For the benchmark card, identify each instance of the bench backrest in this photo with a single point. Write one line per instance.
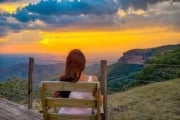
(48, 102)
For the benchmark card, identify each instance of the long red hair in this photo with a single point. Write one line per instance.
(75, 64)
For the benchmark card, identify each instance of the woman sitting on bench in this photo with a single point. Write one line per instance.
(75, 64)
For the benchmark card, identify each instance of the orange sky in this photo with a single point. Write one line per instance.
(99, 44)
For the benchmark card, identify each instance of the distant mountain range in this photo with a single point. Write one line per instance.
(8, 60)
(52, 71)
(40, 72)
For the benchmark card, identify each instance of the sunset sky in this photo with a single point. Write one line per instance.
(102, 29)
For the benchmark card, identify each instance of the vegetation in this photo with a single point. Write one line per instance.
(171, 57)
(120, 75)
(162, 49)
(157, 101)
(14, 90)
(159, 67)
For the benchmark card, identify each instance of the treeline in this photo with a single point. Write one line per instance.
(16, 90)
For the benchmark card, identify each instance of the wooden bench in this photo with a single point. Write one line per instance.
(49, 102)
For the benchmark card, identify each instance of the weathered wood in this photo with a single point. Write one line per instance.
(67, 86)
(48, 102)
(70, 102)
(43, 102)
(30, 82)
(13, 111)
(55, 116)
(98, 102)
(104, 86)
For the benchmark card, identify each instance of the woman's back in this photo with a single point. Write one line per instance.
(79, 95)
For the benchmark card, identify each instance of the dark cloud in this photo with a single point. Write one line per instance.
(6, 25)
(47, 9)
(136, 4)
(24, 15)
(82, 21)
(139, 4)
(162, 20)
(89, 14)
(3, 31)
(8, 0)
(65, 7)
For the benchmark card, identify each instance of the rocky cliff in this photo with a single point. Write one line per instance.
(140, 56)
(135, 56)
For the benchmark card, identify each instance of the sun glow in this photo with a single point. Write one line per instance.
(105, 41)
(97, 44)
(11, 7)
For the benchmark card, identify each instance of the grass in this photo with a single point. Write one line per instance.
(157, 101)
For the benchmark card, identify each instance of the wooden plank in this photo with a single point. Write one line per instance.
(5, 115)
(30, 82)
(67, 86)
(55, 116)
(18, 110)
(98, 102)
(70, 102)
(104, 86)
(49, 102)
(13, 111)
(43, 102)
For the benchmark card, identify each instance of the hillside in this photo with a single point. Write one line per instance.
(120, 76)
(164, 66)
(144, 66)
(157, 101)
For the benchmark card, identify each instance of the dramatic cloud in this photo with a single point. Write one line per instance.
(65, 7)
(55, 10)
(75, 7)
(10, 24)
(116, 14)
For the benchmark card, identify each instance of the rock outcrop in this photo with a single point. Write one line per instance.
(135, 56)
